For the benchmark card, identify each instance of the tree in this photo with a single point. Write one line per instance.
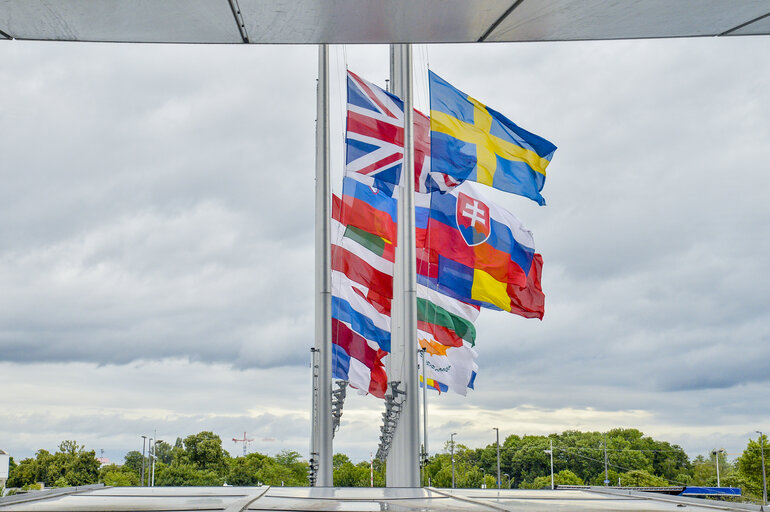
(186, 474)
(164, 452)
(204, 451)
(641, 478)
(118, 476)
(246, 470)
(71, 465)
(133, 461)
(563, 477)
(749, 468)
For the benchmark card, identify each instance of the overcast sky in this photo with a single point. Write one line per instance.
(156, 243)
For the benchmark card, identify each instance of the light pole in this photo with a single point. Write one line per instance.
(606, 473)
(764, 482)
(497, 430)
(154, 458)
(509, 479)
(149, 462)
(144, 442)
(483, 477)
(550, 452)
(452, 447)
(716, 461)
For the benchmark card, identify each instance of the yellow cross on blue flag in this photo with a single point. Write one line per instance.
(470, 141)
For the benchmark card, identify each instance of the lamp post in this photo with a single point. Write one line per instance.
(550, 452)
(452, 447)
(764, 482)
(509, 479)
(716, 461)
(144, 442)
(154, 458)
(497, 430)
(149, 462)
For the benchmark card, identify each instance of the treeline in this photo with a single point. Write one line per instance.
(633, 459)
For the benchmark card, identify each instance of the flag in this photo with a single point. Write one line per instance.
(369, 208)
(374, 141)
(448, 320)
(467, 228)
(425, 180)
(470, 141)
(440, 386)
(474, 251)
(453, 366)
(362, 285)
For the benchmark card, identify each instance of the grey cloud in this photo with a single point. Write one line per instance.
(157, 203)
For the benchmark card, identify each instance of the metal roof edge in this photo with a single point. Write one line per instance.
(47, 493)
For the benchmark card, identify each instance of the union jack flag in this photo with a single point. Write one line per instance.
(375, 131)
(375, 138)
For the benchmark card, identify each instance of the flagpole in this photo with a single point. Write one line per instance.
(403, 468)
(424, 411)
(322, 422)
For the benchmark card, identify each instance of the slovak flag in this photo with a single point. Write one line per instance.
(473, 219)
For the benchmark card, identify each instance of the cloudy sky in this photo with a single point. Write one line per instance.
(156, 243)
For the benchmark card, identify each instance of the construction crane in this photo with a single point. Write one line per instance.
(245, 442)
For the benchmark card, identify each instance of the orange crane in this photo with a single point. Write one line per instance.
(245, 442)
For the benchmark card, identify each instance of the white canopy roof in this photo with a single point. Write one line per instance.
(375, 21)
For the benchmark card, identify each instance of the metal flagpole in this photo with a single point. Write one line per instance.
(313, 459)
(403, 469)
(323, 335)
(424, 411)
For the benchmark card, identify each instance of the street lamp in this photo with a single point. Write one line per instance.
(149, 462)
(716, 453)
(764, 483)
(550, 452)
(452, 442)
(509, 479)
(497, 430)
(154, 458)
(144, 441)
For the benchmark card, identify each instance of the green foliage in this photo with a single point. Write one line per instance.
(704, 471)
(204, 451)
(346, 474)
(641, 478)
(163, 452)
(133, 461)
(749, 468)
(563, 477)
(467, 472)
(118, 476)
(71, 465)
(525, 459)
(186, 474)
(246, 471)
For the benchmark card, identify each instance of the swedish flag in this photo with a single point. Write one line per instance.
(470, 141)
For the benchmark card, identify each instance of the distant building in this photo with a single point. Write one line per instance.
(103, 461)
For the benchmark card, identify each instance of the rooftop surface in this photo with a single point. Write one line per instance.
(232, 499)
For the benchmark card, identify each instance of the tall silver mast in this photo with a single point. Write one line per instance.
(403, 466)
(323, 306)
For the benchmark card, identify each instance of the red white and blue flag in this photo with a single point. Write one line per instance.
(375, 131)
(375, 139)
